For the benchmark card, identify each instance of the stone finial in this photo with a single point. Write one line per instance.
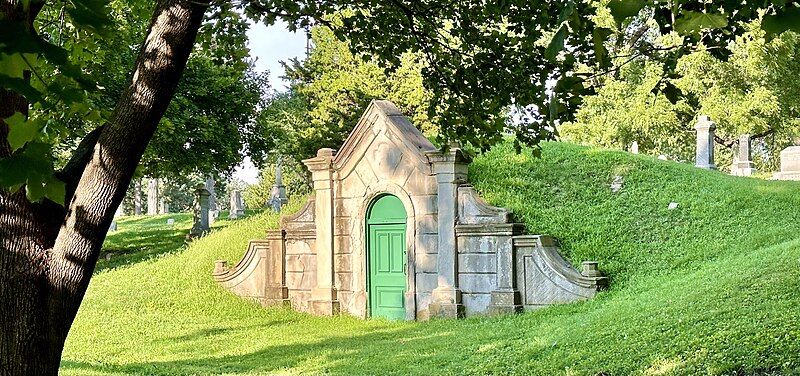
(220, 266)
(326, 152)
(591, 269)
(704, 157)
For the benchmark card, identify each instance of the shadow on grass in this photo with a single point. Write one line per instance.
(337, 355)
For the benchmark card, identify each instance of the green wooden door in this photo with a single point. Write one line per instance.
(386, 240)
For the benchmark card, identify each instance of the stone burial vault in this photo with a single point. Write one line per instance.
(394, 230)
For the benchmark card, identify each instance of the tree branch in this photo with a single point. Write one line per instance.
(72, 171)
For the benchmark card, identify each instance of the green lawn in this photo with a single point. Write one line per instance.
(712, 287)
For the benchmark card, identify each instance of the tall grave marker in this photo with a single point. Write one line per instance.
(704, 158)
(237, 207)
(743, 165)
(201, 216)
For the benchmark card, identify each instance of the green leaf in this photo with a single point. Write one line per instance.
(556, 44)
(21, 130)
(691, 22)
(571, 83)
(622, 9)
(599, 36)
(23, 87)
(32, 163)
(785, 19)
(34, 190)
(55, 190)
(670, 91)
(12, 65)
(92, 15)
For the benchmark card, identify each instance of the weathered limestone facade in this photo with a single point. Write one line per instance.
(452, 254)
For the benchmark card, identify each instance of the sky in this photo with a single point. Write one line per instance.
(270, 45)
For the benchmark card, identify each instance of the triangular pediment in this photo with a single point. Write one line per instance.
(384, 115)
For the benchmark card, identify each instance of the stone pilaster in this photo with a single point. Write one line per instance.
(450, 169)
(324, 300)
(276, 290)
(704, 157)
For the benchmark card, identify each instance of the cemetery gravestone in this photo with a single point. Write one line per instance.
(137, 197)
(212, 200)
(277, 196)
(790, 164)
(152, 197)
(201, 217)
(635, 147)
(742, 165)
(704, 157)
(237, 206)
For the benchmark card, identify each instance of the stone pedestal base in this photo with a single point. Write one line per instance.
(446, 310)
(787, 176)
(324, 302)
(505, 301)
(276, 296)
(446, 303)
(746, 168)
(324, 307)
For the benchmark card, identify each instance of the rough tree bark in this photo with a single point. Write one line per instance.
(48, 253)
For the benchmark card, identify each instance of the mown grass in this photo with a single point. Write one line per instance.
(140, 238)
(709, 288)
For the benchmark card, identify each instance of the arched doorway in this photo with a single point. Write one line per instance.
(386, 257)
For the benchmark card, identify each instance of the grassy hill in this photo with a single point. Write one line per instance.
(711, 287)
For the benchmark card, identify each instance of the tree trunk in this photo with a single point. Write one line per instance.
(47, 255)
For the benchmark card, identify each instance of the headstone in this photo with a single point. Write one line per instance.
(237, 207)
(663, 157)
(790, 164)
(672, 206)
(170, 222)
(635, 147)
(212, 198)
(704, 158)
(201, 218)
(278, 197)
(213, 212)
(743, 165)
(137, 197)
(113, 226)
(152, 197)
